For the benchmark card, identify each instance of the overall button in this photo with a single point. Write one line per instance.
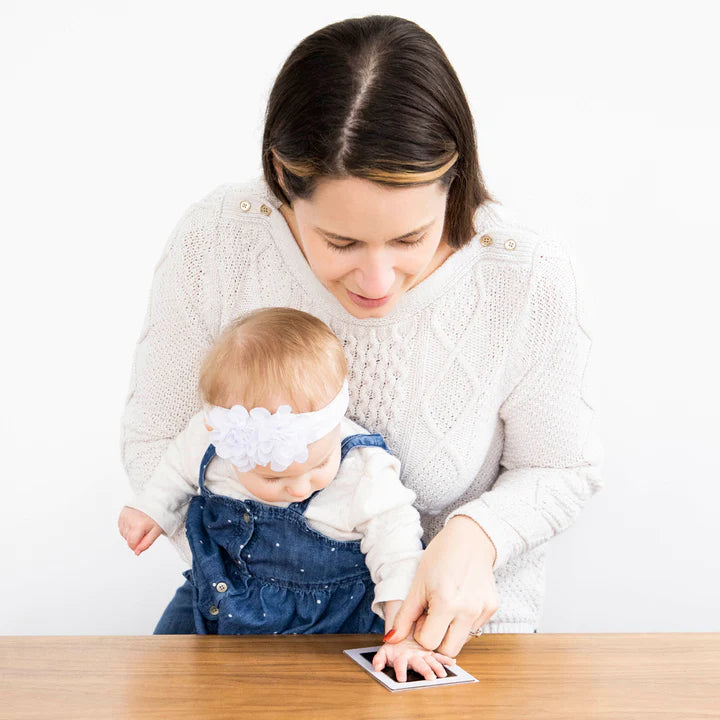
(486, 240)
(510, 244)
(213, 610)
(246, 518)
(221, 587)
(245, 206)
(264, 209)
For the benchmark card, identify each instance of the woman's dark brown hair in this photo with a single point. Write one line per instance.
(374, 98)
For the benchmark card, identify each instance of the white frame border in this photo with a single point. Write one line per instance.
(461, 676)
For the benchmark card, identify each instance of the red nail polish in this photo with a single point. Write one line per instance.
(389, 635)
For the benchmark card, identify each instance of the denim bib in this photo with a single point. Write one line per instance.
(261, 569)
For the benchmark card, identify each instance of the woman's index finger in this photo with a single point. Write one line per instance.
(433, 630)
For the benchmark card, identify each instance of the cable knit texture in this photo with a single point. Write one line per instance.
(478, 379)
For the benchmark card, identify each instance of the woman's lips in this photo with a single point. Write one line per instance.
(367, 302)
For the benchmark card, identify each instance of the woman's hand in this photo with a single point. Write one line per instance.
(455, 585)
(409, 654)
(138, 528)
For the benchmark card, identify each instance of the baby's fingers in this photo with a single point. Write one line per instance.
(380, 660)
(151, 536)
(444, 659)
(419, 664)
(400, 665)
(133, 535)
(436, 666)
(125, 527)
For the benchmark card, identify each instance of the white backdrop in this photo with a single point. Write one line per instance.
(598, 123)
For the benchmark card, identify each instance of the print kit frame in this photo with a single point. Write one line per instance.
(363, 657)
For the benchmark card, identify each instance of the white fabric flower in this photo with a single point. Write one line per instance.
(259, 437)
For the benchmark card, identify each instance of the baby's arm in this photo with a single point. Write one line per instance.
(382, 511)
(160, 508)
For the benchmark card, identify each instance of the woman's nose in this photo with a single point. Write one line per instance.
(376, 275)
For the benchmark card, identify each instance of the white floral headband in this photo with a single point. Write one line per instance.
(258, 437)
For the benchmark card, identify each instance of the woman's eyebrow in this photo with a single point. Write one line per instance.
(335, 236)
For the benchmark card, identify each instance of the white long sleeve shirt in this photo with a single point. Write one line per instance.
(479, 379)
(365, 501)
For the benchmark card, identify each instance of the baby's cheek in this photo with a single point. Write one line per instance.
(272, 494)
(329, 477)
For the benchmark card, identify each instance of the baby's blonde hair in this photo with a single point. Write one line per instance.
(274, 356)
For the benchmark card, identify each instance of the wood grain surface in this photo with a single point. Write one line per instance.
(520, 676)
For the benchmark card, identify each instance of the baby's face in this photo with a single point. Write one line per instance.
(299, 480)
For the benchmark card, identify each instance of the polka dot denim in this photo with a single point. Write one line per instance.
(261, 569)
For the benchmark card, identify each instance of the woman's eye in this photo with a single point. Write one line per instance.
(403, 243)
(410, 243)
(339, 248)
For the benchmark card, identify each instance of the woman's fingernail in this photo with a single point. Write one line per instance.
(389, 635)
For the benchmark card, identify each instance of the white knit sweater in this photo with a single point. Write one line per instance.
(477, 379)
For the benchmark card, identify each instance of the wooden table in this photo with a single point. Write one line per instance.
(246, 677)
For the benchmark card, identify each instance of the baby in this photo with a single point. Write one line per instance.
(295, 516)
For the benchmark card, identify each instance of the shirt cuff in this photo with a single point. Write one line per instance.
(501, 535)
(396, 587)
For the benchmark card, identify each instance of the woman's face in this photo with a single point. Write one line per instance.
(369, 244)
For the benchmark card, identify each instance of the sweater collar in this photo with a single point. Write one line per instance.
(413, 301)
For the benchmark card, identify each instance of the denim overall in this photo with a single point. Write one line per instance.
(261, 569)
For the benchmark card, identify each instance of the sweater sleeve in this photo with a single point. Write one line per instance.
(382, 511)
(550, 464)
(175, 481)
(176, 333)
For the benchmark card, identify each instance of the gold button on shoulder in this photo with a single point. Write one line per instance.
(245, 206)
(221, 587)
(486, 240)
(246, 517)
(510, 244)
(264, 209)
(213, 610)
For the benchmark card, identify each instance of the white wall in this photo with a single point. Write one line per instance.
(598, 122)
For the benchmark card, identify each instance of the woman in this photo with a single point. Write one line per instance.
(464, 331)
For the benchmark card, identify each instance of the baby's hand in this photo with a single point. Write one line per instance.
(138, 528)
(410, 654)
